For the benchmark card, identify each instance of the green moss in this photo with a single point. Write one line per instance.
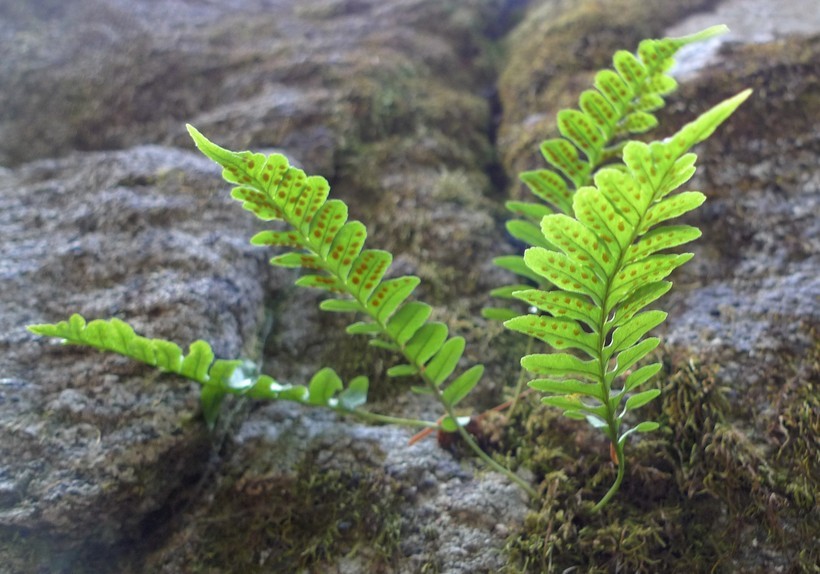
(700, 496)
(264, 525)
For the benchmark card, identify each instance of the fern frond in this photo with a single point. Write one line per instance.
(606, 269)
(218, 377)
(620, 105)
(320, 240)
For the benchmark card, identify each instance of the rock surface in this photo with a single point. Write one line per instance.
(106, 210)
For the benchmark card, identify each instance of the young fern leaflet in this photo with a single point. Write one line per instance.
(606, 267)
(317, 237)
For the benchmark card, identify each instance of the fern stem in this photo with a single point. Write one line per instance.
(522, 378)
(386, 419)
(468, 438)
(619, 449)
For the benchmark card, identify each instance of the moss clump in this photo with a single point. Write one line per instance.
(298, 523)
(700, 496)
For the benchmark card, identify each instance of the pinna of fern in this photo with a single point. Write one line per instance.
(606, 264)
(621, 104)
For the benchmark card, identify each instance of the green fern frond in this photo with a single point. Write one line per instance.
(218, 377)
(320, 240)
(605, 269)
(620, 105)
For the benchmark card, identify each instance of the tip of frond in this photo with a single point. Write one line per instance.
(710, 32)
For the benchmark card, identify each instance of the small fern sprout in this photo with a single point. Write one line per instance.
(607, 263)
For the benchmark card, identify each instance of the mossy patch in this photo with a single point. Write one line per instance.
(699, 495)
(267, 525)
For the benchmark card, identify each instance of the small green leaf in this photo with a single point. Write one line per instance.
(641, 376)
(564, 304)
(221, 373)
(550, 187)
(640, 122)
(277, 239)
(426, 342)
(648, 270)
(593, 209)
(642, 427)
(367, 271)
(644, 295)
(498, 314)
(527, 232)
(323, 282)
(445, 361)
(386, 345)
(532, 211)
(561, 365)
(564, 156)
(407, 320)
(355, 395)
(674, 206)
(629, 67)
(599, 110)
(659, 239)
(632, 330)
(624, 193)
(566, 387)
(640, 399)
(346, 246)
(632, 355)
(389, 295)
(341, 306)
(402, 371)
(564, 273)
(323, 386)
(449, 425)
(614, 89)
(559, 332)
(364, 328)
(578, 243)
(509, 291)
(324, 226)
(583, 132)
(210, 399)
(573, 403)
(297, 260)
(196, 364)
(515, 263)
(462, 386)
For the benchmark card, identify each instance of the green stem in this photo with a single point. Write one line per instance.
(386, 419)
(617, 484)
(522, 378)
(468, 438)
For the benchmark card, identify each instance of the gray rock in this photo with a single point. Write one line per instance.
(94, 444)
(107, 466)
